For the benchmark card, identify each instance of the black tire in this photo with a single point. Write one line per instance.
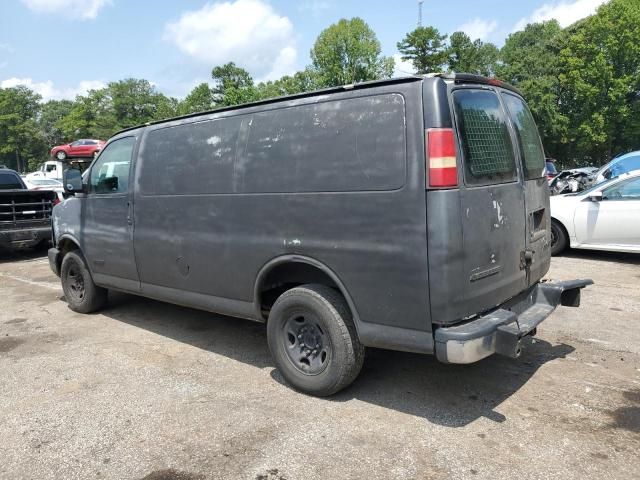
(322, 319)
(559, 238)
(61, 155)
(83, 296)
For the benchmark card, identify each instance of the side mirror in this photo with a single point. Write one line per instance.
(72, 181)
(595, 196)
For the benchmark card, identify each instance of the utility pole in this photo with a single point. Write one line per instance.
(420, 12)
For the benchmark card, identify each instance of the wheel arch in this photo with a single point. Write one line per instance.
(66, 243)
(274, 274)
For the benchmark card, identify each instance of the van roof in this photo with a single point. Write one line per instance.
(455, 77)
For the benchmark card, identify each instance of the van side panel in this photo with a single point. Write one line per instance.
(371, 234)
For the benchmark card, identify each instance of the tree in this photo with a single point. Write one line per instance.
(200, 99)
(349, 52)
(303, 81)
(136, 101)
(600, 77)
(234, 85)
(51, 114)
(530, 61)
(92, 116)
(425, 49)
(21, 144)
(464, 55)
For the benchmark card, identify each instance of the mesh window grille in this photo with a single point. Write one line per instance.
(489, 149)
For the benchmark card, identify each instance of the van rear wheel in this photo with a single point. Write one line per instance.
(83, 296)
(313, 340)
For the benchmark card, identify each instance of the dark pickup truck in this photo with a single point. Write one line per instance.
(25, 215)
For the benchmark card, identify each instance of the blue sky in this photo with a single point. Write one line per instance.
(63, 47)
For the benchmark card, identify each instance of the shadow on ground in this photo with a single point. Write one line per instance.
(23, 254)
(616, 257)
(448, 395)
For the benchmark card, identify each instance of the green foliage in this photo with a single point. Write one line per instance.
(530, 61)
(600, 80)
(348, 52)
(464, 55)
(425, 48)
(51, 114)
(234, 85)
(200, 99)
(303, 81)
(20, 140)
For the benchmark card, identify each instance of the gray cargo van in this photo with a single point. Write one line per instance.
(408, 214)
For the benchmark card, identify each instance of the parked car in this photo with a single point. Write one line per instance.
(80, 148)
(324, 215)
(604, 217)
(626, 163)
(35, 183)
(25, 215)
(550, 169)
(572, 180)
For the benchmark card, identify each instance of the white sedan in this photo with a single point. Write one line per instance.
(604, 217)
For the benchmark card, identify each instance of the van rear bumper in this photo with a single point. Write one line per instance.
(501, 331)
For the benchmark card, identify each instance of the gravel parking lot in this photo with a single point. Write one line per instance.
(151, 390)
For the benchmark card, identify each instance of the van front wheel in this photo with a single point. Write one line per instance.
(83, 296)
(313, 340)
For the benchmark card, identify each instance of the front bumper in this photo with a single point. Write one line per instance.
(25, 237)
(53, 255)
(501, 331)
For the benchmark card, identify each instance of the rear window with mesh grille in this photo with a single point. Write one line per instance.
(487, 147)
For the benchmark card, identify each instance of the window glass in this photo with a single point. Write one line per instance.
(528, 138)
(110, 172)
(624, 166)
(488, 152)
(76, 143)
(626, 190)
(341, 145)
(51, 168)
(10, 181)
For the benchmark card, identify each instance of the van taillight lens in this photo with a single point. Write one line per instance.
(55, 201)
(441, 157)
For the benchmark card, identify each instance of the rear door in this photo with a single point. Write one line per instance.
(492, 200)
(537, 254)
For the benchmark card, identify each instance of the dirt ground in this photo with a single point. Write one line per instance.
(150, 390)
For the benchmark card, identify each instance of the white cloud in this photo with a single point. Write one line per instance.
(478, 28)
(402, 67)
(316, 7)
(49, 92)
(247, 32)
(565, 12)
(83, 9)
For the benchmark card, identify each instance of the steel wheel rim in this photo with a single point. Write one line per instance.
(75, 281)
(306, 343)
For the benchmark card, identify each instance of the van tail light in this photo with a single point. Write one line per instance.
(441, 158)
(55, 201)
